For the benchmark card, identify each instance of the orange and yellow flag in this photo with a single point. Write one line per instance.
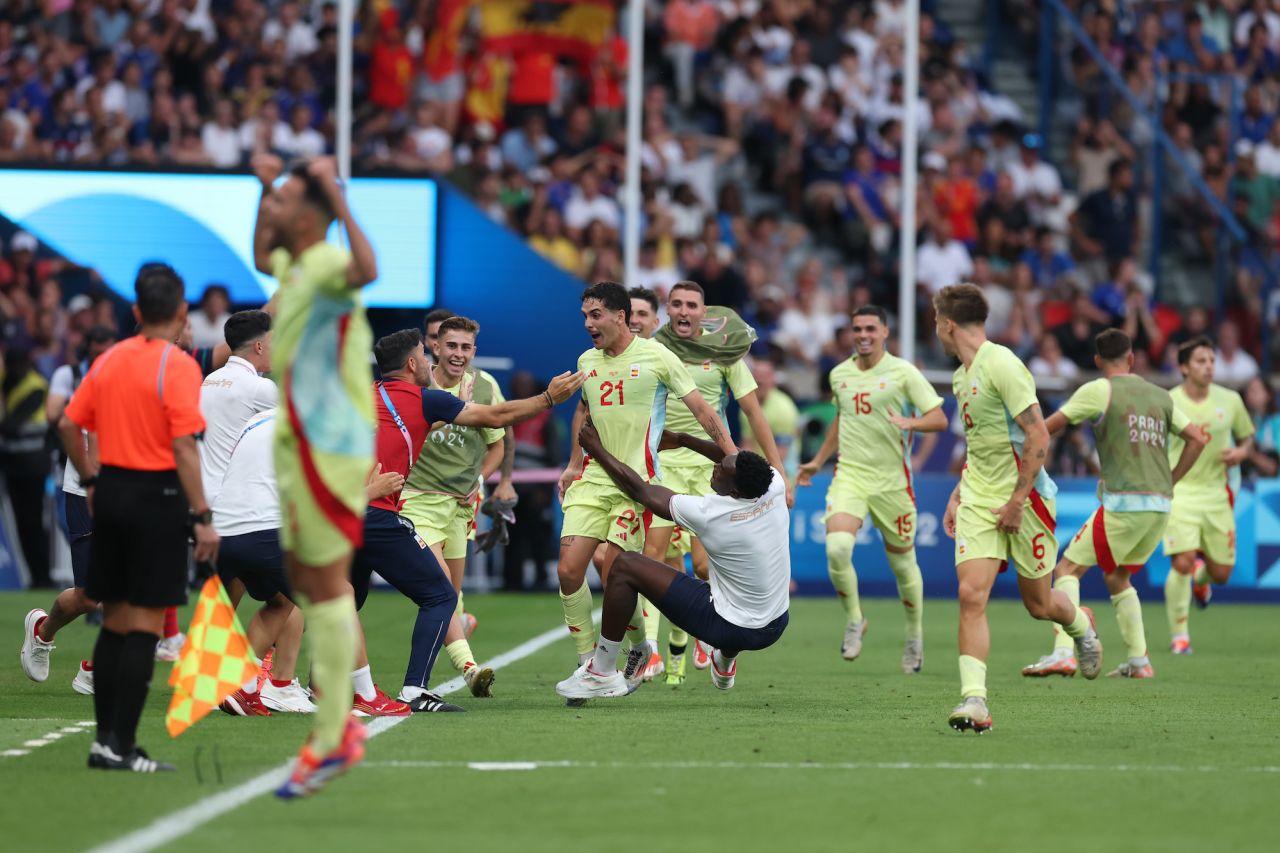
(215, 661)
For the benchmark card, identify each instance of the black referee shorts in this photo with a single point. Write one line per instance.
(140, 539)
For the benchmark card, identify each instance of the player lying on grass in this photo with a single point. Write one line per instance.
(745, 527)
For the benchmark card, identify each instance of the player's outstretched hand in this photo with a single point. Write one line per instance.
(324, 170)
(899, 421)
(565, 386)
(791, 492)
(589, 439)
(266, 168)
(1234, 456)
(1009, 517)
(804, 475)
(949, 520)
(570, 474)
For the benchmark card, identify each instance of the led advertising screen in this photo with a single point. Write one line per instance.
(203, 226)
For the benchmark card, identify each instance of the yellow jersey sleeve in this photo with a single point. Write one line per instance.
(1088, 402)
(739, 379)
(1179, 422)
(918, 390)
(672, 373)
(492, 436)
(1241, 423)
(1013, 381)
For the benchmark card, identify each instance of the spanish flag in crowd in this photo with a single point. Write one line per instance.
(215, 662)
(440, 53)
(574, 29)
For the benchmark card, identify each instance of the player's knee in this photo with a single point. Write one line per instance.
(839, 549)
(973, 597)
(1184, 564)
(1040, 607)
(1218, 572)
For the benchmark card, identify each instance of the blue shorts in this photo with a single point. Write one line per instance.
(687, 604)
(79, 535)
(394, 550)
(255, 559)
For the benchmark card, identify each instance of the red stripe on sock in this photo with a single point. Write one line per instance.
(170, 622)
(276, 682)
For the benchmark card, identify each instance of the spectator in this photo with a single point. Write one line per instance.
(868, 218)
(298, 138)
(220, 137)
(588, 204)
(1264, 455)
(23, 459)
(1260, 192)
(431, 142)
(390, 64)
(805, 331)
(1193, 47)
(1267, 155)
(1049, 267)
(527, 146)
(110, 21)
(1105, 225)
(955, 196)
(941, 261)
(1035, 181)
(1255, 119)
(1075, 337)
(722, 283)
(551, 242)
(298, 36)
(1005, 204)
(780, 413)
(207, 323)
(744, 93)
(1050, 362)
(1233, 365)
(690, 28)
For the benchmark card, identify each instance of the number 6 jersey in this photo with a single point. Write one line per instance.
(626, 396)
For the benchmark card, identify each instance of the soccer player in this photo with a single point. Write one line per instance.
(324, 434)
(745, 526)
(1002, 509)
(431, 325)
(881, 401)
(406, 410)
(1203, 516)
(644, 312)
(440, 493)
(41, 627)
(712, 351)
(628, 379)
(142, 400)
(1133, 422)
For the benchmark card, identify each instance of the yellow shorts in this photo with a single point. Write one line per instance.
(440, 518)
(1194, 527)
(683, 480)
(1112, 540)
(893, 512)
(322, 500)
(1033, 550)
(603, 513)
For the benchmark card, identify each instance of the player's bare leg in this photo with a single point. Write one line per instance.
(39, 629)
(842, 531)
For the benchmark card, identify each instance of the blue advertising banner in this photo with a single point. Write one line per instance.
(1256, 575)
(203, 226)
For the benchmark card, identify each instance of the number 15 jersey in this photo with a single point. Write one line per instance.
(626, 396)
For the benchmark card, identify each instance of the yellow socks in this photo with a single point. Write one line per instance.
(678, 637)
(635, 628)
(459, 652)
(577, 615)
(843, 577)
(910, 589)
(1070, 585)
(332, 628)
(973, 677)
(1080, 625)
(1177, 601)
(1129, 615)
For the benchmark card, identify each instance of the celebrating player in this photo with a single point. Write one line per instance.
(881, 400)
(711, 343)
(1002, 509)
(441, 491)
(745, 526)
(628, 380)
(1132, 423)
(324, 435)
(1203, 516)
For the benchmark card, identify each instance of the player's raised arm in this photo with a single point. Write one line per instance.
(830, 441)
(1195, 444)
(716, 430)
(498, 415)
(364, 264)
(675, 440)
(1056, 422)
(266, 168)
(764, 437)
(653, 497)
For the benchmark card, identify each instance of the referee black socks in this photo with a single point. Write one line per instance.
(106, 667)
(133, 680)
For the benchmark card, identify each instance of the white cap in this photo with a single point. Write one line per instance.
(79, 302)
(1244, 148)
(934, 160)
(23, 241)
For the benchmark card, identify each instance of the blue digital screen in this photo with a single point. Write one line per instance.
(203, 226)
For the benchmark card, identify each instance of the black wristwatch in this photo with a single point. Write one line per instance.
(205, 517)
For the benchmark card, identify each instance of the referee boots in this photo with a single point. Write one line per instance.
(135, 761)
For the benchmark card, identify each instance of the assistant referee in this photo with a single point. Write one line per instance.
(142, 398)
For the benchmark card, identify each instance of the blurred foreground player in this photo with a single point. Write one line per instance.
(745, 526)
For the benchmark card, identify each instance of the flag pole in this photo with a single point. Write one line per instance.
(346, 23)
(907, 239)
(635, 102)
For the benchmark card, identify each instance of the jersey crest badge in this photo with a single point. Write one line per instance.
(706, 365)
(635, 371)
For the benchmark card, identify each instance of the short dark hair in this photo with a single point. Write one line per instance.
(99, 335)
(873, 311)
(751, 475)
(458, 324)
(612, 296)
(1118, 166)
(314, 193)
(437, 315)
(646, 294)
(1187, 349)
(392, 351)
(216, 289)
(1112, 344)
(690, 285)
(158, 292)
(964, 304)
(245, 327)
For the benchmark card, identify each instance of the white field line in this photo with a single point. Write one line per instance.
(50, 737)
(815, 765)
(186, 820)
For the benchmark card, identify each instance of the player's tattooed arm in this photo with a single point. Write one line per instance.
(710, 421)
(1035, 450)
(654, 498)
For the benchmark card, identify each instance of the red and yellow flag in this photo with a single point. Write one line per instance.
(215, 661)
(440, 53)
(568, 28)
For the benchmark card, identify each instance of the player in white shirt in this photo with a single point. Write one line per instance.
(71, 603)
(745, 527)
(235, 393)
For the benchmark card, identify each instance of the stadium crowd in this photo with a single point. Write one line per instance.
(771, 163)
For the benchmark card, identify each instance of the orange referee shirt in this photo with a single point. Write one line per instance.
(140, 395)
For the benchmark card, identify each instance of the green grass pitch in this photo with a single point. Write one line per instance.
(807, 752)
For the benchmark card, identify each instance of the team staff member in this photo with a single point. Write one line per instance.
(142, 398)
(71, 603)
